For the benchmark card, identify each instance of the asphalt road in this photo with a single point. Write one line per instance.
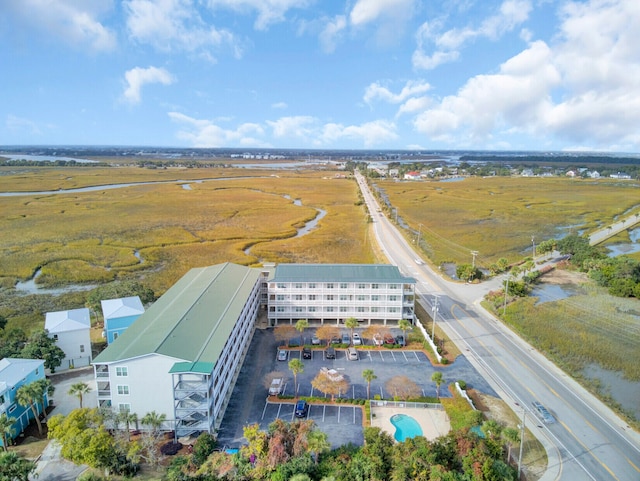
(588, 441)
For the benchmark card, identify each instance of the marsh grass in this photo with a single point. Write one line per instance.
(497, 216)
(92, 237)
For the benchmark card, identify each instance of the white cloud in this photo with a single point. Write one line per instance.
(368, 11)
(75, 23)
(411, 88)
(137, 77)
(297, 126)
(370, 133)
(269, 11)
(204, 133)
(17, 124)
(331, 33)
(176, 25)
(279, 105)
(448, 44)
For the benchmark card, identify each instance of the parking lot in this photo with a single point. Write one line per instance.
(342, 422)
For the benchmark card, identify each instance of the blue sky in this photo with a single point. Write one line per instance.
(326, 74)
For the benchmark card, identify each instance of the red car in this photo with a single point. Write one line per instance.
(389, 340)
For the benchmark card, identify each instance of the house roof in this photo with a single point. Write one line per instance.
(383, 273)
(191, 321)
(14, 370)
(63, 321)
(122, 307)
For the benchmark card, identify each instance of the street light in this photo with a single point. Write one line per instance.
(434, 310)
(419, 234)
(524, 418)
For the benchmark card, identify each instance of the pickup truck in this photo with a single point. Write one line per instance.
(276, 386)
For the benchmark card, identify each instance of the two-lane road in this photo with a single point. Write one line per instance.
(588, 441)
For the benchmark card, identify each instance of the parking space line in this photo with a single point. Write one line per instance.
(415, 353)
(324, 411)
(265, 409)
(393, 356)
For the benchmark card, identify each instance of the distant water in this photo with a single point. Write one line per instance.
(621, 390)
(47, 158)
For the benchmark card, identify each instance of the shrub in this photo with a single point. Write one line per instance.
(170, 448)
(462, 384)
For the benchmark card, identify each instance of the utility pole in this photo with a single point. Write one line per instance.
(506, 294)
(419, 234)
(473, 262)
(434, 311)
(533, 244)
(524, 417)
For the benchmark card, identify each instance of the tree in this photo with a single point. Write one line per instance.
(41, 346)
(284, 332)
(372, 331)
(327, 332)
(402, 388)
(511, 436)
(15, 468)
(28, 395)
(79, 389)
(317, 443)
(297, 367)
(405, 325)
(331, 382)
(351, 323)
(154, 421)
(301, 325)
(369, 376)
(6, 429)
(438, 379)
(128, 418)
(3, 322)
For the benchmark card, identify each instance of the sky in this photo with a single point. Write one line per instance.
(322, 74)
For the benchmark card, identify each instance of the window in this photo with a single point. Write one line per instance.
(330, 297)
(312, 309)
(55, 337)
(298, 285)
(375, 297)
(115, 336)
(362, 286)
(375, 309)
(312, 285)
(12, 408)
(81, 347)
(375, 286)
(362, 298)
(280, 297)
(124, 407)
(2, 399)
(299, 309)
(344, 297)
(122, 371)
(298, 297)
(280, 309)
(282, 285)
(343, 309)
(394, 286)
(393, 298)
(123, 390)
(392, 309)
(361, 309)
(330, 285)
(312, 297)
(328, 309)
(343, 285)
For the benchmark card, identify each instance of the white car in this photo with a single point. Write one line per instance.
(356, 339)
(377, 339)
(283, 355)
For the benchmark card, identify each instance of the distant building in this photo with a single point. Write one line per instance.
(119, 314)
(72, 332)
(620, 175)
(15, 373)
(412, 175)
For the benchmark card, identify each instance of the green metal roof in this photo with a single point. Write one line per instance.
(191, 321)
(339, 273)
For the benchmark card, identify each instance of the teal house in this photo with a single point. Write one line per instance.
(15, 373)
(119, 314)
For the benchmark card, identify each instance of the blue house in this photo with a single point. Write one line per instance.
(15, 373)
(119, 314)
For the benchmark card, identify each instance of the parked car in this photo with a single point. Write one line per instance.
(346, 339)
(377, 340)
(315, 340)
(276, 386)
(301, 409)
(400, 340)
(306, 353)
(352, 354)
(330, 353)
(389, 339)
(283, 354)
(335, 340)
(356, 339)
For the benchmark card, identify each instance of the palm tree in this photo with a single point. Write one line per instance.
(45, 390)
(6, 429)
(438, 379)
(301, 325)
(351, 323)
(317, 443)
(79, 389)
(512, 436)
(369, 376)
(28, 395)
(405, 325)
(154, 421)
(128, 418)
(297, 367)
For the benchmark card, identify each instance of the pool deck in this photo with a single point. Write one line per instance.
(434, 422)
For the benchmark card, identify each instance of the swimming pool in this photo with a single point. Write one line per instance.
(406, 427)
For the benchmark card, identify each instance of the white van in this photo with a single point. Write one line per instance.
(276, 386)
(352, 354)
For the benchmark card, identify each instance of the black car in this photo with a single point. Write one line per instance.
(330, 353)
(306, 353)
(400, 340)
(301, 409)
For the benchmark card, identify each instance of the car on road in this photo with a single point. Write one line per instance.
(346, 339)
(352, 354)
(400, 340)
(544, 414)
(315, 340)
(306, 353)
(301, 409)
(357, 340)
(283, 354)
(330, 353)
